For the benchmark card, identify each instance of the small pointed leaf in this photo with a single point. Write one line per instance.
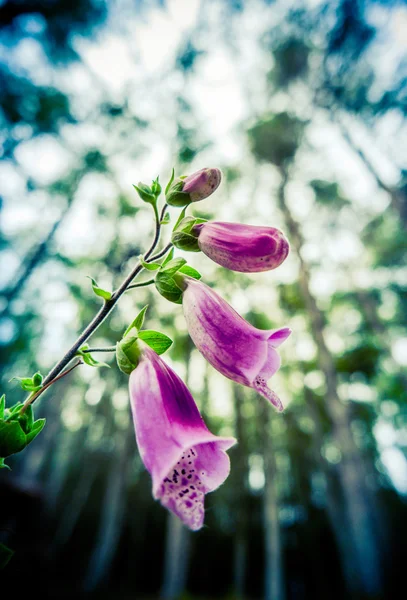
(150, 266)
(166, 219)
(156, 340)
(170, 181)
(100, 291)
(138, 321)
(190, 271)
(173, 266)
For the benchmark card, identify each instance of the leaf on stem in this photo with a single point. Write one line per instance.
(156, 340)
(30, 384)
(166, 219)
(138, 321)
(89, 359)
(150, 266)
(170, 181)
(100, 291)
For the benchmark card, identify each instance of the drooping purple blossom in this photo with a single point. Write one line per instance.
(185, 460)
(244, 248)
(233, 346)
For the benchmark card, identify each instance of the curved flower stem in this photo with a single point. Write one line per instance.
(35, 395)
(105, 349)
(108, 304)
(141, 284)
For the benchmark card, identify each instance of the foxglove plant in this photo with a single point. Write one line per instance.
(184, 458)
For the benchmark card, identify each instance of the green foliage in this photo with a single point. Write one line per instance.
(158, 341)
(328, 193)
(138, 321)
(89, 359)
(5, 553)
(17, 429)
(276, 138)
(105, 294)
(363, 358)
(30, 384)
(291, 59)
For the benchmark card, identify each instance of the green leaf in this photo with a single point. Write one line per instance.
(170, 181)
(173, 266)
(89, 359)
(150, 266)
(27, 384)
(138, 321)
(156, 340)
(156, 187)
(38, 426)
(190, 271)
(166, 219)
(12, 438)
(181, 216)
(145, 193)
(100, 291)
(26, 420)
(169, 257)
(5, 552)
(2, 405)
(37, 378)
(167, 287)
(3, 466)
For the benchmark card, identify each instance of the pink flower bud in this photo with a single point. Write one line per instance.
(195, 187)
(244, 248)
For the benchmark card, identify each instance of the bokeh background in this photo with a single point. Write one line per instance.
(302, 105)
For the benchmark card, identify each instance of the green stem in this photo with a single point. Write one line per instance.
(107, 306)
(141, 284)
(35, 395)
(105, 349)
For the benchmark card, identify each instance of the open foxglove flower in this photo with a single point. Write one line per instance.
(185, 460)
(233, 346)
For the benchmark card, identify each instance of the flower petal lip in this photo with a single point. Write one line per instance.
(243, 248)
(230, 344)
(184, 458)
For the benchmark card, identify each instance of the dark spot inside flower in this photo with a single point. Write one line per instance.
(192, 487)
(189, 476)
(183, 471)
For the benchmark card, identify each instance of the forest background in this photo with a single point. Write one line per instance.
(302, 105)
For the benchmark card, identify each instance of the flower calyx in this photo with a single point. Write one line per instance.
(17, 429)
(169, 280)
(130, 348)
(185, 234)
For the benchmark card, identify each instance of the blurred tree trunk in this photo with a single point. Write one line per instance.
(35, 257)
(351, 469)
(177, 546)
(113, 511)
(334, 502)
(240, 468)
(273, 568)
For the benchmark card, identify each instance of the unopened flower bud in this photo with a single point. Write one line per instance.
(193, 188)
(244, 248)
